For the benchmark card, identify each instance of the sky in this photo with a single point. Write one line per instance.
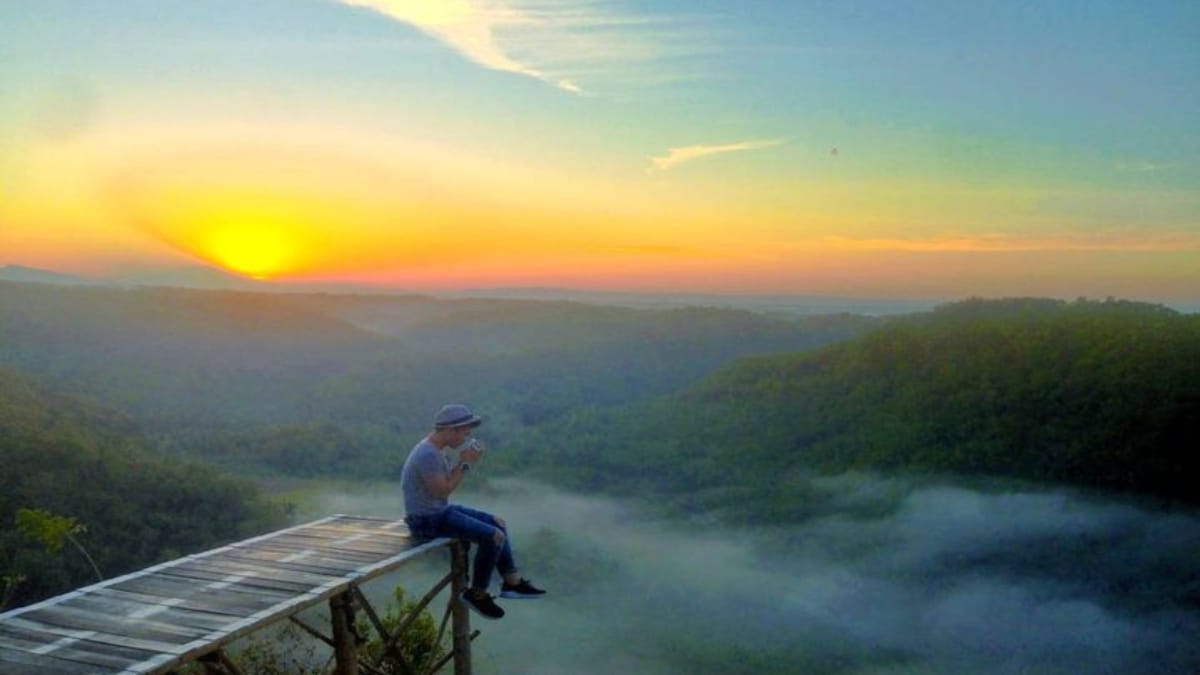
(893, 149)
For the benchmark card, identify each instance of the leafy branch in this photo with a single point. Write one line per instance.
(53, 532)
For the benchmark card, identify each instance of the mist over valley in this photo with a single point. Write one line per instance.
(895, 576)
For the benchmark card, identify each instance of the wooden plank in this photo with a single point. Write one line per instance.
(350, 553)
(211, 579)
(305, 562)
(146, 629)
(347, 561)
(363, 521)
(165, 612)
(371, 523)
(284, 549)
(13, 662)
(295, 544)
(156, 584)
(217, 579)
(23, 638)
(359, 546)
(378, 537)
(355, 533)
(266, 569)
(203, 603)
(77, 651)
(339, 540)
(175, 587)
(100, 636)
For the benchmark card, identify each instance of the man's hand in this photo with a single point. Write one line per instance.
(472, 452)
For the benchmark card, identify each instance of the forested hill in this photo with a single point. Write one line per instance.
(1096, 394)
(83, 461)
(324, 384)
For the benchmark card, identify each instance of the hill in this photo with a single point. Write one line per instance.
(319, 384)
(33, 275)
(1092, 394)
(172, 356)
(88, 462)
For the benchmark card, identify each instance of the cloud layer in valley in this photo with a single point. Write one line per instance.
(892, 578)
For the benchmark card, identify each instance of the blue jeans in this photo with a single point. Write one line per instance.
(478, 527)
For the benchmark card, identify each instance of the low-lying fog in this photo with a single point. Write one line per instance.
(895, 578)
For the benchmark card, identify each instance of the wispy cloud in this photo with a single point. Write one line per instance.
(555, 41)
(677, 156)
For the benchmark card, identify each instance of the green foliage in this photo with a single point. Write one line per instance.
(1094, 394)
(51, 530)
(54, 531)
(418, 645)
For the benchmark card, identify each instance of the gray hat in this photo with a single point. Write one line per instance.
(456, 415)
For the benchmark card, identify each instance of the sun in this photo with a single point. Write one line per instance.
(253, 250)
(253, 233)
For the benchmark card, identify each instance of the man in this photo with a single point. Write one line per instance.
(429, 478)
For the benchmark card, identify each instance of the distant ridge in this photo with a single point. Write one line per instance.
(33, 275)
(768, 304)
(198, 276)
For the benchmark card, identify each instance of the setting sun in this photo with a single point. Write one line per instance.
(257, 251)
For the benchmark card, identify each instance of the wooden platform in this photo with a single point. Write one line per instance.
(158, 618)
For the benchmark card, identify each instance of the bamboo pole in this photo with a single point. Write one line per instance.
(461, 615)
(341, 608)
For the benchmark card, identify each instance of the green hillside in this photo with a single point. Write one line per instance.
(1093, 394)
(316, 384)
(88, 462)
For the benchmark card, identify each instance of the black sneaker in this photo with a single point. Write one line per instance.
(482, 603)
(521, 590)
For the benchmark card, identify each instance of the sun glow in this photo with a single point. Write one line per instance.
(257, 251)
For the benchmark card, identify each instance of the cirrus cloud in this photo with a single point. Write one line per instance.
(548, 40)
(681, 155)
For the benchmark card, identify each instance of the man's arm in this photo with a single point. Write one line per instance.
(442, 485)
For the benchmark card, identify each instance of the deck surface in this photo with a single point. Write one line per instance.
(158, 618)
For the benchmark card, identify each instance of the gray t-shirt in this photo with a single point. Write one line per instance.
(424, 460)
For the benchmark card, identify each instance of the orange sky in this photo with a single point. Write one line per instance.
(393, 144)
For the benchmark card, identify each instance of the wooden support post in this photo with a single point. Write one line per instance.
(461, 616)
(341, 610)
(218, 663)
(230, 666)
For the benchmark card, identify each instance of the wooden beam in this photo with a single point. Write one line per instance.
(422, 604)
(446, 659)
(461, 620)
(311, 631)
(341, 608)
